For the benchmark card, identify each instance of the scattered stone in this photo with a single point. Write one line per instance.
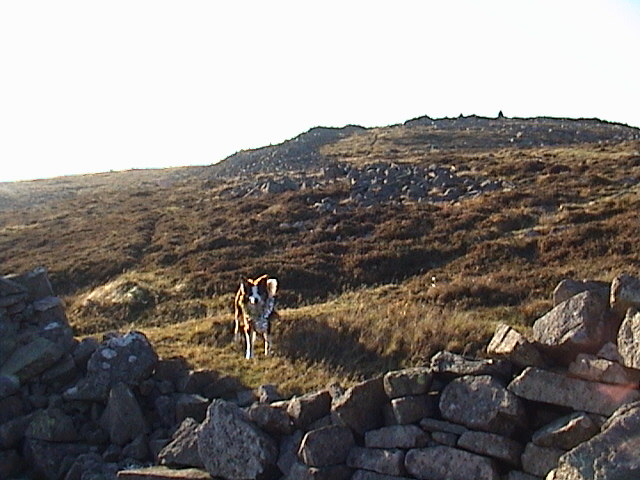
(289, 447)
(369, 475)
(182, 450)
(410, 381)
(566, 432)
(268, 394)
(540, 460)
(577, 325)
(52, 425)
(568, 288)
(360, 408)
(589, 367)
(123, 418)
(509, 344)
(191, 405)
(163, 473)
(396, 436)
(386, 461)
(447, 463)
(445, 438)
(629, 339)
(411, 409)
(300, 471)
(51, 460)
(492, 445)
(609, 351)
(482, 403)
(518, 475)
(456, 365)
(625, 294)
(612, 453)
(232, 446)
(326, 446)
(433, 425)
(548, 387)
(11, 464)
(271, 419)
(32, 359)
(35, 283)
(9, 385)
(306, 409)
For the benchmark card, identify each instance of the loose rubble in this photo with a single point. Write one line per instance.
(534, 409)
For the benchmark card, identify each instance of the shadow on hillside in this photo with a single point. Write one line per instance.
(317, 342)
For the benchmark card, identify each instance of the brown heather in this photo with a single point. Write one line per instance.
(364, 289)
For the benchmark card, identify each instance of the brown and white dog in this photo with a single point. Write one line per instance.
(255, 308)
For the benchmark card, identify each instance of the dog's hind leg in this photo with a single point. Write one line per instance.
(267, 343)
(236, 329)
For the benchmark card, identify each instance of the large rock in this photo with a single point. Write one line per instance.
(625, 294)
(360, 407)
(482, 403)
(410, 381)
(396, 436)
(386, 461)
(611, 454)
(123, 419)
(128, 358)
(548, 387)
(566, 432)
(446, 463)
(629, 339)
(579, 324)
(326, 446)
(183, 448)
(233, 447)
(492, 445)
(507, 343)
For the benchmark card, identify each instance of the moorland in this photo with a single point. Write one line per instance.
(389, 243)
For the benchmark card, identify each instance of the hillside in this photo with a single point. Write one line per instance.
(389, 243)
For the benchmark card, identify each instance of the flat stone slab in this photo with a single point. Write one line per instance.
(164, 473)
(581, 395)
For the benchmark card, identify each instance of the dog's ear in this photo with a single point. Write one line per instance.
(244, 285)
(272, 287)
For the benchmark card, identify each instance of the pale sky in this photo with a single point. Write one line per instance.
(91, 86)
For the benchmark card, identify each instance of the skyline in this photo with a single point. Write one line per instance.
(98, 87)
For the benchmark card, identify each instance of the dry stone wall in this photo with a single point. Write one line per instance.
(563, 403)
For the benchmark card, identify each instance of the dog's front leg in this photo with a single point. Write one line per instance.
(249, 337)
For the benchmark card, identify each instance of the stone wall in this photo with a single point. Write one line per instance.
(561, 403)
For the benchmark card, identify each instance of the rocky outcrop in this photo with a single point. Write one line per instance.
(538, 409)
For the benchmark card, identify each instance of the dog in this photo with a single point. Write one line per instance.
(255, 310)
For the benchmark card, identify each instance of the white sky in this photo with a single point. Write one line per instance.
(89, 86)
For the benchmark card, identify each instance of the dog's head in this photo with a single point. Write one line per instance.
(256, 293)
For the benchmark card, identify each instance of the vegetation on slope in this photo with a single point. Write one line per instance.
(363, 288)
